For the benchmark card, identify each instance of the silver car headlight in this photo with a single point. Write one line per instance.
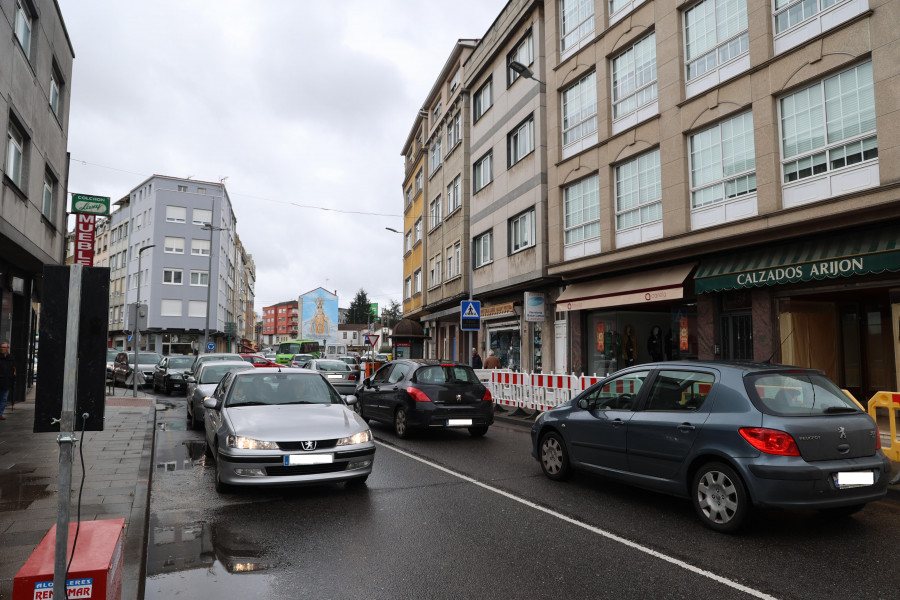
(358, 438)
(244, 443)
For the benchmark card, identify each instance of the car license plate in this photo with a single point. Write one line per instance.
(853, 479)
(334, 377)
(293, 460)
(458, 422)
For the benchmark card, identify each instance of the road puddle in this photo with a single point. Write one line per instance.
(19, 490)
(188, 455)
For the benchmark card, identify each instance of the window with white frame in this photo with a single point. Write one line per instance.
(484, 249)
(453, 194)
(435, 156)
(639, 191)
(199, 247)
(417, 231)
(48, 194)
(176, 214)
(829, 125)
(436, 111)
(576, 22)
(579, 108)
(482, 171)
(201, 216)
(454, 81)
(182, 188)
(523, 54)
(196, 308)
(454, 131)
(23, 27)
(521, 231)
(520, 142)
(170, 308)
(408, 195)
(55, 82)
(634, 77)
(417, 281)
(172, 276)
(201, 191)
(450, 272)
(174, 245)
(582, 210)
(418, 181)
(790, 13)
(457, 254)
(483, 99)
(15, 154)
(434, 270)
(715, 32)
(408, 241)
(434, 213)
(407, 288)
(200, 278)
(723, 161)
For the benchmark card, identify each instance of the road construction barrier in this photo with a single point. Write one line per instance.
(890, 401)
(533, 391)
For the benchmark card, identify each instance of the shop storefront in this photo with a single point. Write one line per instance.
(503, 334)
(828, 302)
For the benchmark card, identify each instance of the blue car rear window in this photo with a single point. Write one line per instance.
(795, 394)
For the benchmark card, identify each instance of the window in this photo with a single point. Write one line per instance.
(450, 272)
(23, 27)
(682, 391)
(417, 281)
(579, 107)
(715, 33)
(407, 288)
(174, 245)
(201, 191)
(201, 216)
(483, 100)
(638, 191)
(418, 181)
(454, 132)
(408, 241)
(408, 196)
(48, 194)
(55, 80)
(434, 270)
(617, 394)
(484, 249)
(523, 54)
(199, 247)
(829, 125)
(172, 276)
(457, 249)
(434, 213)
(634, 77)
(482, 173)
(417, 231)
(453, 191)
(182, 188)
(176, 214)
(521, 141)
(789, 13)
(435, 156)
(196, 308)
(576, 22)
(454, 81)
(582, 206)
(170, 308)
(436, 112)
(521, 232)
(15, 155)
(200, 278)
(723, 161)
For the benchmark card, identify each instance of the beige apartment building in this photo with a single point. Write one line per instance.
(723, 183)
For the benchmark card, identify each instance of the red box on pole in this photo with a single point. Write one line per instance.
(96, 568)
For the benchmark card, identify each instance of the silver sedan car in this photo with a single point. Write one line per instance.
(275, 426)
(202, 384)
(338, 373)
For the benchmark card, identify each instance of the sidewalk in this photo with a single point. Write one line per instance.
(117, 464)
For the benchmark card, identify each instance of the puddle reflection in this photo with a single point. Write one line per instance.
(188, 455)
(19, 490)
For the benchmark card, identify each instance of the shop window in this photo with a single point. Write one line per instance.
(507, 347)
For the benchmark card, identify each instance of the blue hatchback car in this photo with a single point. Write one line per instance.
(729, 436)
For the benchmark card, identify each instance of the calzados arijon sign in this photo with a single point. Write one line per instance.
(803, 272)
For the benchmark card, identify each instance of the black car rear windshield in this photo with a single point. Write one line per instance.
(446, 374)
(797, 394)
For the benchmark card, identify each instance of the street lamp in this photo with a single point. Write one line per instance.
(137, 323)
(210, 228)
(523, 71)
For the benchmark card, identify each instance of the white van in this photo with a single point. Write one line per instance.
(335, 350)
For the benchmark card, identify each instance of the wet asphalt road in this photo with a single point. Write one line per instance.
(447, 516)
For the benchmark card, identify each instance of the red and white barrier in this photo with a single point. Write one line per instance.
(533, 391)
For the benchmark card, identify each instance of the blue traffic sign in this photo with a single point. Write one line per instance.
(470, 315)
(210, 346)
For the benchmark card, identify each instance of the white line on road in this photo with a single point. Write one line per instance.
(591, 528)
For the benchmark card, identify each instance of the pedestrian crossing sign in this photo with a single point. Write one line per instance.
(470, 315)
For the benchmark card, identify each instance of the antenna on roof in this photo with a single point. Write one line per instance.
(768, 361)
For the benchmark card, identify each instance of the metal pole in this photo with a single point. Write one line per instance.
(137, 324)
(209, 281)
(66, 438)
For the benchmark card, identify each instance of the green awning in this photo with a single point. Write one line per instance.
(859, 253)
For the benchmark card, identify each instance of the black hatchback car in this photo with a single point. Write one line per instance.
(728, 436)
(168, 376)
(417, 394)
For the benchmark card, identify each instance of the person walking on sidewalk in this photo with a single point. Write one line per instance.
(476, 359)
(491, 362)
(7, 376)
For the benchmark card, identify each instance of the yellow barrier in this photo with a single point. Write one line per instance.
(890, 401)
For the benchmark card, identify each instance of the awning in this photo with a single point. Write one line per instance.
(858, 253)
(638, 288)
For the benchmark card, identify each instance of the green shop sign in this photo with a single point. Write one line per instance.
(90, 205)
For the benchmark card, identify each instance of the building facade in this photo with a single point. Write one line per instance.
(35, 89)
(414, 192)
(281, 322)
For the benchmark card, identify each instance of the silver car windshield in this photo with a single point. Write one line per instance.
(213, 373)
(281, 388)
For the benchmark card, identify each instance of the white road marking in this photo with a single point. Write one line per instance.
(611, 536)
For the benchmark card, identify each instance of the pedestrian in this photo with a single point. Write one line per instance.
(7, 376)
(476, 359)
(491, 362)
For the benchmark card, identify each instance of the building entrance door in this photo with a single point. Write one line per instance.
(737, 336)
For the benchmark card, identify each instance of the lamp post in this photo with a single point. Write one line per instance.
(524, 71)
(209, 279)
(137, 323)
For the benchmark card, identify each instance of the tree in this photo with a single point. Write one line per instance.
(392, 314)
(358, 313)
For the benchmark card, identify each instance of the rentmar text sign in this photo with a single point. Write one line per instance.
(75, 588)
(85, 225)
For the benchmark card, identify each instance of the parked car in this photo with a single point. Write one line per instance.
(111, 355)
(270, 356)
(337, 372)
(285, 426)
(300, 360)
(258, 360)
(202, 383)
(419, 393)
(124, 366)
(353, 361)
(202, 358)
(168, 375)
(726, 435)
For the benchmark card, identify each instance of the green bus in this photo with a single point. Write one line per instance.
(286, 350)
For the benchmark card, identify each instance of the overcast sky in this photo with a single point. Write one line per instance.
(297, 102)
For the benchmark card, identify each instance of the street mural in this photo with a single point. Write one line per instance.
(319, 316)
